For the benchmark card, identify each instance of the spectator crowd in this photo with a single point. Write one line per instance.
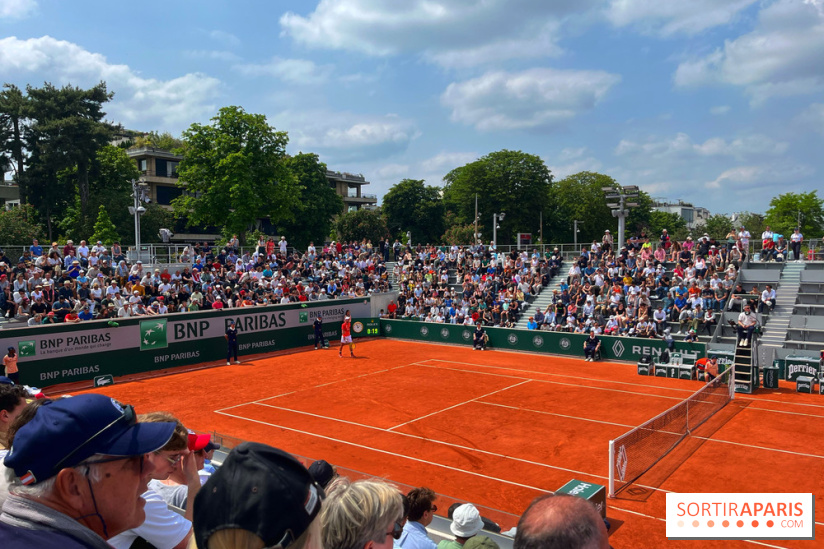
(77, 283)
(637, 290)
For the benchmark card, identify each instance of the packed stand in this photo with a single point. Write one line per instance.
(77, 283)
(493, 286)
(643, 287)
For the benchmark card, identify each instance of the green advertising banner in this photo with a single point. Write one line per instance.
(63, 353)
(629, 349)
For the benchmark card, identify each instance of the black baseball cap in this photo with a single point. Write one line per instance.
(260, 489)
(322, 472)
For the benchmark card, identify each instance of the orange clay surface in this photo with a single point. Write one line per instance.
(498, 428)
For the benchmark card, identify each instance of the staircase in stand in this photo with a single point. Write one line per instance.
(775, 332)
(542, 300)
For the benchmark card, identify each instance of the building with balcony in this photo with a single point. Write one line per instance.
(350, 187)
(159, 171)
(692, 215)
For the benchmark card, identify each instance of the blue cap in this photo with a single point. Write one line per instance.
(66, 431)
(5, 381)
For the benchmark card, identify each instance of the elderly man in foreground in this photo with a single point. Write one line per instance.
(79, 472)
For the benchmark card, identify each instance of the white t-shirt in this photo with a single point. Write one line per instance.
(163, 528)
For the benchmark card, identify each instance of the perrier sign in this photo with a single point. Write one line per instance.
(153, 335)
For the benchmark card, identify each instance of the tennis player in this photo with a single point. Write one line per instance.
(346, 335)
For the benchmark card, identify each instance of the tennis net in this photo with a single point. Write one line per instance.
(635, 452)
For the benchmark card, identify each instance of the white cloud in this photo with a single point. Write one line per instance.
(445, 162)
(666, 18)
(296, 71)
(214, 55)
(720, 109)
(146, 102)
(760, 175)
(346, 136)
(447, 32)
(533, 98)
(573, 160)
(16, 9)
(781, 57)
(390, 171)
(682, 147)
(226, 38)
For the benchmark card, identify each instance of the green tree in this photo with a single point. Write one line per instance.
(362, 224)
(19, 225)
(786, 210)
(110, 185)
(511, 182)
(104, 229)
(67, 130)
(672, 222)
(234, 173)
(753, 222)
(412, 206)
(717, 226)
(318, 204)
(579, 197)
(14, 109)
(156, 217)
(164, 141)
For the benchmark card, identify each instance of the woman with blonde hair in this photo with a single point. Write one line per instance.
(365, 514)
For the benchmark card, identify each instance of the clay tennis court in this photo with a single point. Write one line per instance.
(499, 428)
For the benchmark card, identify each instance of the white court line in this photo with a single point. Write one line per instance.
(421, 363)
(690, 391)
(317, 386)
(456, 405)
(416, 437)
(668, 432)
(459, 470)
(778, 401)
(355, 444)
(617, 382)
(552, 382)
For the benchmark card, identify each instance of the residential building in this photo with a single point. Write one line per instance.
(692, 215)
(159, 171)
(349, 187)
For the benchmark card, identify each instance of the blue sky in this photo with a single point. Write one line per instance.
(717, 102)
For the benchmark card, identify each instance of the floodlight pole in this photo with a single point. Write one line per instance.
(495, 218)
(621, 209)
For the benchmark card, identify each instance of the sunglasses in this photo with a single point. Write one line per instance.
(172, 460)
(397, 530)
(128, 416)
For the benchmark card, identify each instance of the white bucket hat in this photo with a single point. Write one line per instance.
(466, 521)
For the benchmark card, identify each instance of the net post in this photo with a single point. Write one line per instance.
(612, 468)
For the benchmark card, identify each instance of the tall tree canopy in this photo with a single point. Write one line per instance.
(579, 197)
(14, 110)
(362, 224)
(718, 226)
(110, 187)
(415, 207)
(510, 182)
(235, 173)
(65, 132)
(318, 205)
(786, 210)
